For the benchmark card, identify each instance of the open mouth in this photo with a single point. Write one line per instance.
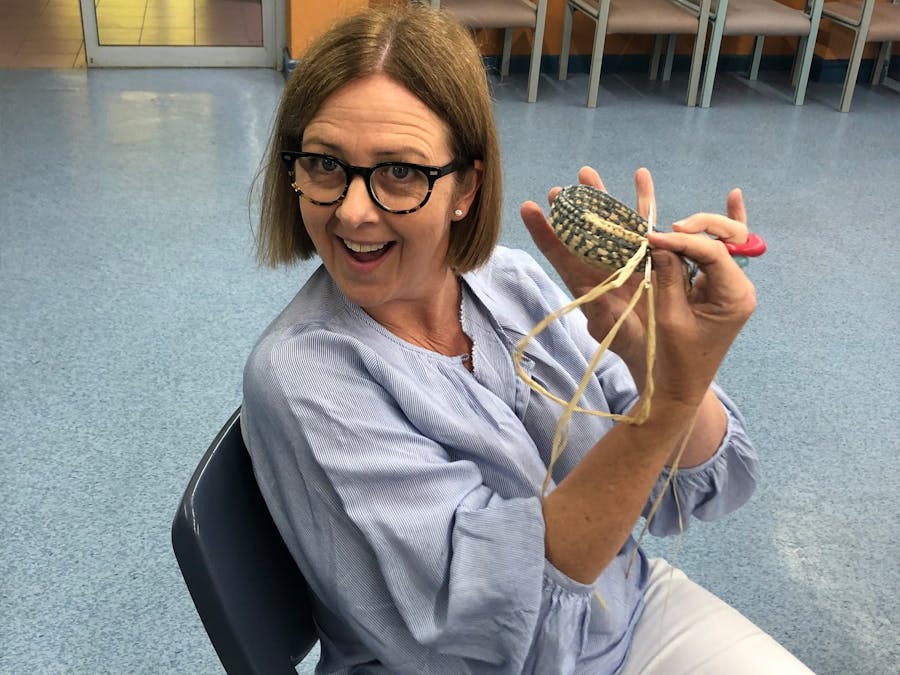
(366, 252)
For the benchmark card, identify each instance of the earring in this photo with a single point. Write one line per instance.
(458, 213)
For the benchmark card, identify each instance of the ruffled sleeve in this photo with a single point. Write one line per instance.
(710, 490)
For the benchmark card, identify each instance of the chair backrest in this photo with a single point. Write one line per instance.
(493, 13)
(507, 15)
(870, 21)
(877, 21)
(248, 591)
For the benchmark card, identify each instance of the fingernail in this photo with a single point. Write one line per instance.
(678, 223)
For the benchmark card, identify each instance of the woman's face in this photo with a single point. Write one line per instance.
(384, 262)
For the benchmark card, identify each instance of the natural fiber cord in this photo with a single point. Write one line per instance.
(606, 233)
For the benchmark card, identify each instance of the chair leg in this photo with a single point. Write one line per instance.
(805, 58)
(884, 57)
(798, 55)
(757, 56)
(537, 50)
(712, 59)
(507, 52)
(697, 56)
(566, 39)
(861, 33)
(597, 54)
(805, 52)
(670, 57)
(802, 64)
(657, 53)
(859, 44)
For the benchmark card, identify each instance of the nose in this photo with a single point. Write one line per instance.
(357, 206)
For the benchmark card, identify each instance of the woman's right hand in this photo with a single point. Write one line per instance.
(695, 325)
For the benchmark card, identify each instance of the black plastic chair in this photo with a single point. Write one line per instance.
(246, 587)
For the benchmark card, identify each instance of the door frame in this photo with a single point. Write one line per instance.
(136, 56)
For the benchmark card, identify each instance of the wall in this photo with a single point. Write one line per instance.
(307, 19)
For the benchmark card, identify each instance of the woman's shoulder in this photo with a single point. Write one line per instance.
(511, 267)
(514, 283)
(513, 261)
(315, 331)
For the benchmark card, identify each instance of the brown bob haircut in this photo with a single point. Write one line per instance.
(435, 58)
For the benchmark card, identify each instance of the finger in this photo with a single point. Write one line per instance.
(722, 227)
(711, 256)
(643, 184)
(587, 175)
(552, 194)
(542, 234)
(669, 272)
(735, 206)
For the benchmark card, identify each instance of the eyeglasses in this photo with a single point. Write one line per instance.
(397, 187)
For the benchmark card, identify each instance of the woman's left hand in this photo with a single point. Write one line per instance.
(580, 277)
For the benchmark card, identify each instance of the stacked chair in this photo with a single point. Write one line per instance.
(643, 17)
(761, 18)
(508, 15)
(870, 21)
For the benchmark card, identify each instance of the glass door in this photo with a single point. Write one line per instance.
(183, 33)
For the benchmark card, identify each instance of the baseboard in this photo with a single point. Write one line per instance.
(834, 70)
(821, 70)
(288, 63)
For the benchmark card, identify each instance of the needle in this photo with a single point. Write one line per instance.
(651, 223)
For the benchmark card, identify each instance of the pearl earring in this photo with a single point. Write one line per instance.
(457, 213)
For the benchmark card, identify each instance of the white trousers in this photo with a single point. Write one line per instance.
(685, 629)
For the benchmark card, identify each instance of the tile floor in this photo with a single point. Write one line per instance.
(130, 298)
(48, 33)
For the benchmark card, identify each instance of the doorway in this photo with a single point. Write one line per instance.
(182, 33)
(41, 34)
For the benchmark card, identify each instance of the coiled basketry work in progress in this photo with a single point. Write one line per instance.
(596, 227)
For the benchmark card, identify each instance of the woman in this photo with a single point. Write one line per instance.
(398, 452)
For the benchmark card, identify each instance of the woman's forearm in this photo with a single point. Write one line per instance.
(591, 513)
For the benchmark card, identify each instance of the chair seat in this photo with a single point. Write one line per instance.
(885, 26)
(639, 17)
(643, 17)
(764, 17)
(492, 13)
(649, 17)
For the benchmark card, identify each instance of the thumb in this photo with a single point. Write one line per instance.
(670, 284)
(543, 234)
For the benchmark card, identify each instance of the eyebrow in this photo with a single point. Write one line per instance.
(397, 154)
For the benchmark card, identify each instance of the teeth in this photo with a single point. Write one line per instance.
(362, 248)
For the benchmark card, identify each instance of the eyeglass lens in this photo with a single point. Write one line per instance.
(396, 186)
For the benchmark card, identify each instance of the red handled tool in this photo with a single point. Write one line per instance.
(754, 247)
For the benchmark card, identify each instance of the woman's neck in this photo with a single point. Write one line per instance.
(435, 325)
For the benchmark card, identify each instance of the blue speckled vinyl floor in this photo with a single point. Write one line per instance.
(129, 300)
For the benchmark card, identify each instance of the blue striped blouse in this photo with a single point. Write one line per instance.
(407, 487)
